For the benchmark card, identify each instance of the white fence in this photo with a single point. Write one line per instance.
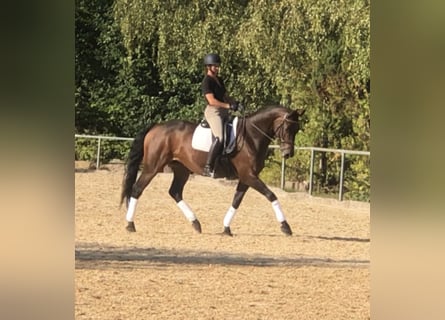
(283, 161)
(311, 173)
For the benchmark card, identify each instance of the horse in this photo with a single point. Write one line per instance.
(170, 144)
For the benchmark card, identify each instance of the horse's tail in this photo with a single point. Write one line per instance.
(132, 164)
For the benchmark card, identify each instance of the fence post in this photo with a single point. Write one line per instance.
(311, 171)
(283, 165)
(98, 154)
(340, 194)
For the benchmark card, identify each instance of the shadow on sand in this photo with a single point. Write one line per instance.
(89, 256)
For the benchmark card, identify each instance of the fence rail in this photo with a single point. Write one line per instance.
(342, 153)
(283, 161)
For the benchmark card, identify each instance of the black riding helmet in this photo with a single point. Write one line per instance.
(212, 58)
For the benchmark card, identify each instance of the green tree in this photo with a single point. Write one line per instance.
(139, 61)
(116, 93)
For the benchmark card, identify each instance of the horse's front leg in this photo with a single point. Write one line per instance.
(241, 189)
(261, 187)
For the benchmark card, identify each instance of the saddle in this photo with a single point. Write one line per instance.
(202, 136)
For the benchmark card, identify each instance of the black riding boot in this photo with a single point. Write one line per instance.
(214, 151)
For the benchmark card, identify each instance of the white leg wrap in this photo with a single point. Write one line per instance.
(186, 210)
(131, 209)
(229, 216)
(278, 212)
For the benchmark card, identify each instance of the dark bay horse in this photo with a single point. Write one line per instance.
(170, 144)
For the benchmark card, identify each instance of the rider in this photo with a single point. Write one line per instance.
(218, 105)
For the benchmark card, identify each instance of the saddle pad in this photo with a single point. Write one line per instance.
(202, 137)
(233, 132)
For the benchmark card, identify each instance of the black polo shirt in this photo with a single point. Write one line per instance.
(210, 85)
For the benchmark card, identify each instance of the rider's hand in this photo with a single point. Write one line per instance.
(234, 106)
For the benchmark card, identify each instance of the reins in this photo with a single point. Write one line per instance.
(275, 131)
(262, 132)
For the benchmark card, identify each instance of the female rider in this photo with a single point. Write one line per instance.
(218, 105)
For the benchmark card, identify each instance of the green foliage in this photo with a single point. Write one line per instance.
(358, 179)
(86, 149)
(296, 168)
(271, 174)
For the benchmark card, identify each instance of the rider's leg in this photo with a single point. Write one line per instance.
(215, 117)
(214, 151)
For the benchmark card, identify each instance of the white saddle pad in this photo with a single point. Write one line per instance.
(202, 137)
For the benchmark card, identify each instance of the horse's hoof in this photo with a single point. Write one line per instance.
(227, 232)
(285, 228)
(130, 227)
(196, 225)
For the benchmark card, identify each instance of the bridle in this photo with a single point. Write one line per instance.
(278, 131)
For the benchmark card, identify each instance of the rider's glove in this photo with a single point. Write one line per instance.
(234, 106)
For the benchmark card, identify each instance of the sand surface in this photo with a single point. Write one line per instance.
(166, 270)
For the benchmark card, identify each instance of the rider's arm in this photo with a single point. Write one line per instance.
(215, 102)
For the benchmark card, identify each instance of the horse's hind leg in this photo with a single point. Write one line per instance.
(181, 175)
(142, 182)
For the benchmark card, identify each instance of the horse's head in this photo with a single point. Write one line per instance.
(286, 127)
(277, 122)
